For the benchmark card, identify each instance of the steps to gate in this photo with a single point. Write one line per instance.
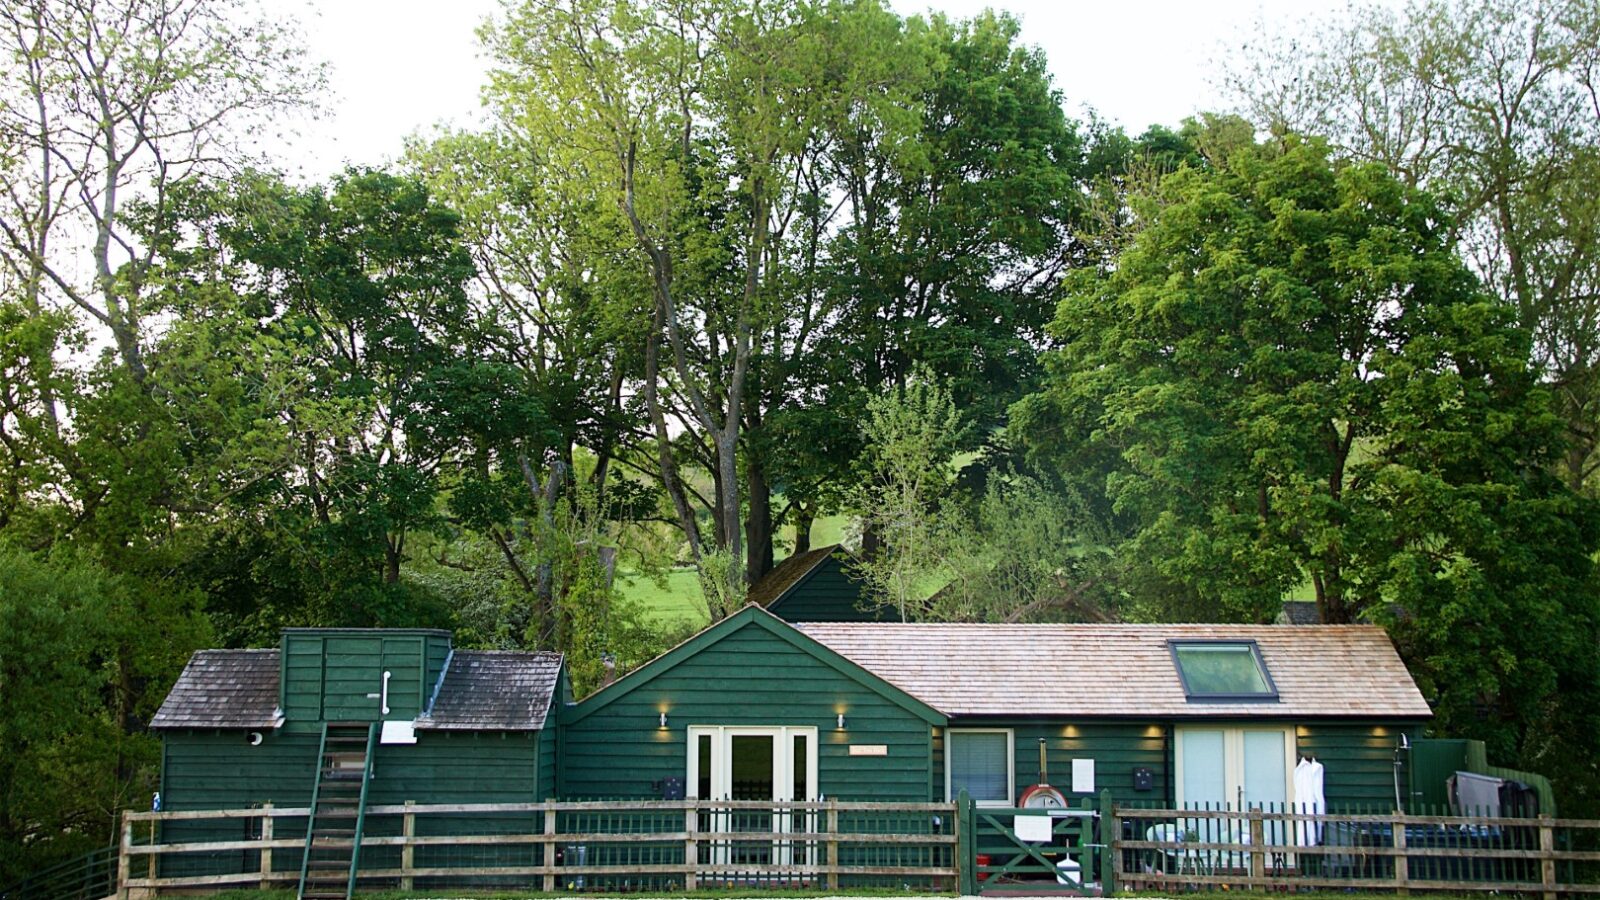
(338, 811)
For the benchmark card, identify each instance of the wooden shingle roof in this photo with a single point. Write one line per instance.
(494, 690)
(224, 689)
(1124, 670)
(787, 574)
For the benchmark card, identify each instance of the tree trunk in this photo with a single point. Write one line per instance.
(758, 523)
(728, 502)
(803, 517)
(667, 460)
(393, 550)
(871, 542)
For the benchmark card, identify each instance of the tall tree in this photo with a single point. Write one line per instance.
(694, 125)
(105, 105)
(1291, 375)
(1494, 106)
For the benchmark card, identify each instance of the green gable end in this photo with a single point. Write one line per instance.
(748, 670)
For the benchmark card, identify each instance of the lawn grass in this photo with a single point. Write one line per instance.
(676, 600)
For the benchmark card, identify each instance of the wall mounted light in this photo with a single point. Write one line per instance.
(841, 721)
(663, 720)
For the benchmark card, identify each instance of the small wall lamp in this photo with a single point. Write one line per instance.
(663, 720)
(841, 721)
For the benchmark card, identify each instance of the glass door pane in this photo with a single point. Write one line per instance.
(1205, 769)
(1265, 769)
(1205, 780)
(1266, 776)
(752, 772)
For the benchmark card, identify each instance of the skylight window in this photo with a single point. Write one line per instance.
(1222, 670)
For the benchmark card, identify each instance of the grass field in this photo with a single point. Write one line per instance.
(677, 598)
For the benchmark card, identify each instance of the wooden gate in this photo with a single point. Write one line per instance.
(1031, 851)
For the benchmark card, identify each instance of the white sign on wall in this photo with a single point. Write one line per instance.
(1083, 776)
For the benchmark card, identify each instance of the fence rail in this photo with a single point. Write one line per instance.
(1200, 849)
(630, 845)
(659, 846)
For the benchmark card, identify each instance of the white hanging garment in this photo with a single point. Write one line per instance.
(1308, 800)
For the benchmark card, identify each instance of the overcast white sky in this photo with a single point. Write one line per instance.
(402, 65)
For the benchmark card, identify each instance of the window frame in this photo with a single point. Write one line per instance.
(1192, 696)
(1011, 764)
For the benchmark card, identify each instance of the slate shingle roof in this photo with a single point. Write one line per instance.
(1123, 670)
(494, 690)
(224, 689)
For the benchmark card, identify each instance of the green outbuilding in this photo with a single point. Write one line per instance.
(384, 716)
(818, 585)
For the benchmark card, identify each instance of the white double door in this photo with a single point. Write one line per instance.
(1234, 769)
(769, 764)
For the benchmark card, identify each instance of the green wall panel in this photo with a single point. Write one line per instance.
(1357, 757)
(750, 677)
(828, 595)
(1357, 761)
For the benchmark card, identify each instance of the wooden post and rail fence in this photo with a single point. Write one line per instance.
(1094, 846)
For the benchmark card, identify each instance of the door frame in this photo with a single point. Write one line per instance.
(782, 780)
(1233, 759)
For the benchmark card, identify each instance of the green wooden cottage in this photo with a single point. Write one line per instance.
(817, 586)
(755, 708)
(758, 708)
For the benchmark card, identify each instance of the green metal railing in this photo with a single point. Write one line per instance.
(311, 820)
(88, 877)
(361, 807)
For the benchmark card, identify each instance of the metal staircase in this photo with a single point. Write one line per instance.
(338, 811)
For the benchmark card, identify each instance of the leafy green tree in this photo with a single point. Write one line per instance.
(1288, 375)
(85, 659)
(954, 239)
(340, 318)
(1489, 104)
(104, 105)
(912, 435)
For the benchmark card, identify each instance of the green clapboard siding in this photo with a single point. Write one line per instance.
(438, 651)
(749, 677)
(1358, 757)
(827, 594)
(546, 784)
(220, 770)
(1357, 760)
(1116, 748)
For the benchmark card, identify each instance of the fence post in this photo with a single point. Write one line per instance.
(966, 846)
(1258, 852)
(151, 868)
(408, 852)
(1110, 831)
(1402, 864)
(266, 846)
(550, 846)
(122, 858)
(1547, 860)
(691, 847)
(833, 845)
